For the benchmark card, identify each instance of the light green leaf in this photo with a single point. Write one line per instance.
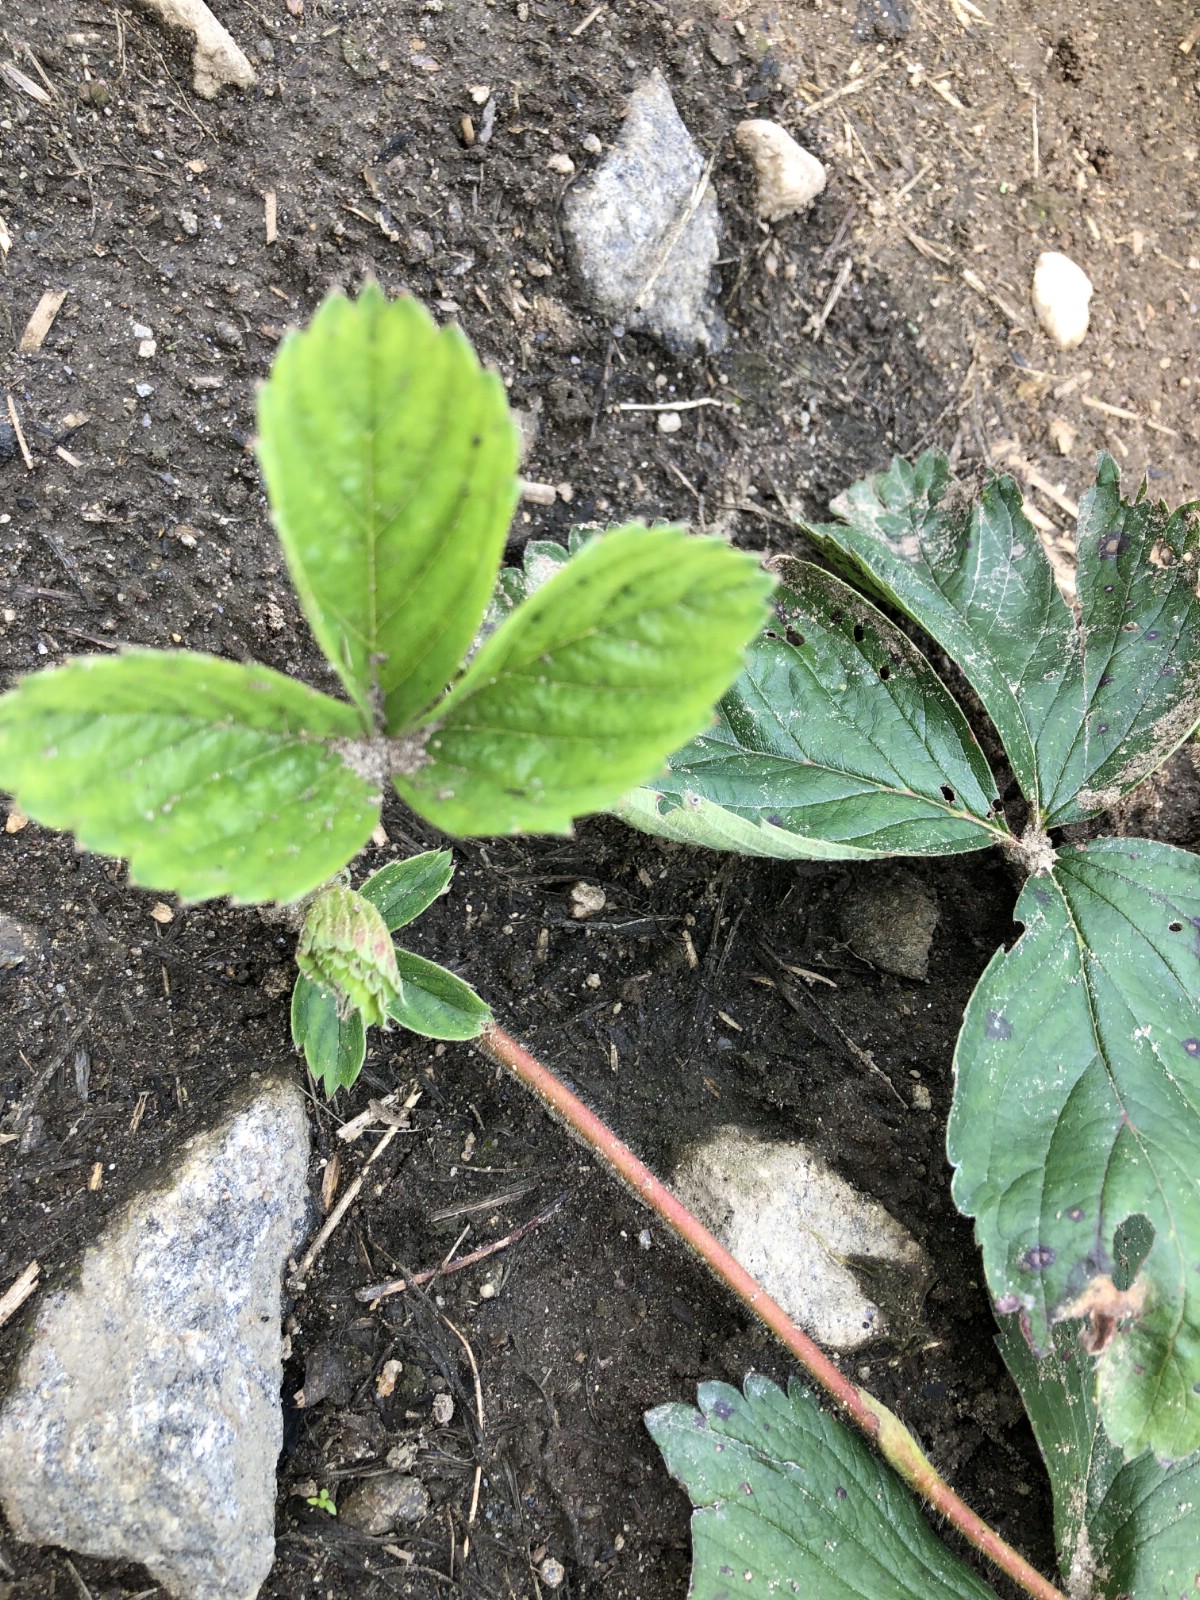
(403, 889)
(1077, 1111)
(790, 1502)
(345, 947)
(435, 1002)
(837, 741)
(1125, 1530)
(1085, 713)
(390, 460)
(334, 1047)
(589, 685)
(210, 777)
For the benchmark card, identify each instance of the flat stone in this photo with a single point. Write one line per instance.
(888, 918)
(643, 255)
(145, 1423)
(798, 1227)
(377, 1505)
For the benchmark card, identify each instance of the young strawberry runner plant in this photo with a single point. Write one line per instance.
(1075, 1127)
(390, 462)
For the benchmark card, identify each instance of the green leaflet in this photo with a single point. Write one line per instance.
(790, 1502)
(390, 459)
(334, 1047)
(435, 1002)
(1085, 713)
(209, 776)
(836, 741)
(403, 889)
(1077, 1108)
(582, 691)
(1123, 1528)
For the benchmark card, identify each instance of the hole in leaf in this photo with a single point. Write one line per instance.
(795, 638)
(885, 673)
(947, 794)
(859, 633)
(1175, 927)
(1131, 1246)
(835, 618)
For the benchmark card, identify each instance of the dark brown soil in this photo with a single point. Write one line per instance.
(124, 1034)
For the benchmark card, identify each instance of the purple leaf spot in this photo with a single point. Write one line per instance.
(1008, 1303)
(722, 1409)
(1076, 1213)
(745, 1488)
(1192, 1046)
(840, 1492)
(1037, 1257)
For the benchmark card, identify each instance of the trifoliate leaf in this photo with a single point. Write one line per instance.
(435, 1002)
(403, 889)
(334, 1046)
(210, 777)
(790, 1502)
(1125, 1529)
(390, 460)
(1085, 711)
(345, 946)
(590, 684)
(836, 741)
(1076, 1127)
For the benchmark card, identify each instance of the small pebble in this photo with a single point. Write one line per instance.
(1062, 435)
(442, 1410)
(669, 422)
(921, 1098)
(592, 144)
(147, 349)
(1061, 293)
(190, 223)
(561, 162)
(789, 177)
(487, 1290)
(586, 900)
(376, 1505)
(552, 1572)
(228, 336)
(644, 1239)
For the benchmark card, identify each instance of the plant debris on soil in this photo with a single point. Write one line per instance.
(182, 237)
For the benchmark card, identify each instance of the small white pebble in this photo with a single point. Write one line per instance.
(1061, 293)
(552, 1572)
(442, 1410)
(147, 349)
(789, 176)
(592, 980)
(561, 162)
(592, 144)
(644, 1239)
(1062, 435)
(487, 1290)
(480, 93)
(586, 900)
(922, 1100)
(669, 422)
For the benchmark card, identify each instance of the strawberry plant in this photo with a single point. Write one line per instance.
(390, 460)
(1075, 1126)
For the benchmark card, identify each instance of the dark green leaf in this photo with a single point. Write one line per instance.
(434, 1002)
(1125, 1530)
(1085, 713)
(334, 1047)
(1077, 1109)
(790, 1502)
(210, 777)
(391, 460)
(589, 685)
(837, 740)
(403, 889)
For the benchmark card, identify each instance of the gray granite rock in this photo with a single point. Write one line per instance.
(641, 262)
(145, 1422)
(379, 1504)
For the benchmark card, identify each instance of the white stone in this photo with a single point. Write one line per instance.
(561, 162)
(1061, 293)
(669, 422)
(789, 177)
(793, 1223)
(144, 1422)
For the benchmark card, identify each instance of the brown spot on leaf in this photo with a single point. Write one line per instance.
(1106, 1307)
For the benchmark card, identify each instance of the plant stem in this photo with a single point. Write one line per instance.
(886, 1432)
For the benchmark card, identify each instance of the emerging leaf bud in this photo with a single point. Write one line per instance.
(345, 946)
